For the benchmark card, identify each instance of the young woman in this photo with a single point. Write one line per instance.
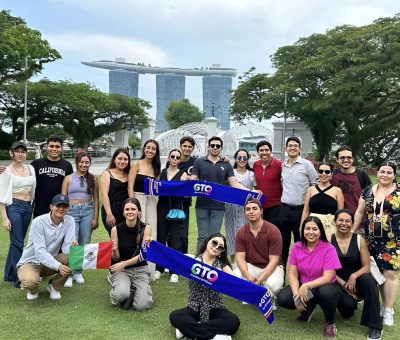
(18, 184)
(206, 316)
(128, 274)
(114, 188)
(380, 206)
(323, 199)
(312, 276)
(234, 214)
(82, 189)
(148, 166)
(173, 231)
(355, 279)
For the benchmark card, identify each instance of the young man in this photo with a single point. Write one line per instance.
(211, 168)
(259, 249)
(352, 181)
(47, 250)
(50, 173)
(267, 171)
(298, 174)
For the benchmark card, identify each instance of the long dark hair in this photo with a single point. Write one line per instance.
(318, 222)
(112, 165)
(248, 167)
(223, 257)
(89, 178)
(155, 162)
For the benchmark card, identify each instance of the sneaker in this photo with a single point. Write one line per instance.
(178, 333)
(54, 294)
(174, 278)
(222, 337)
(375, 334)
(244, 303)
(330, 331)
(306, 315)
(157, 275)
(32, 296)
(166, 270)
(68, 283)
(78, 278)
(388, 317)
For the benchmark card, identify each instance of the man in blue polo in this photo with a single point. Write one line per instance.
(212, 168)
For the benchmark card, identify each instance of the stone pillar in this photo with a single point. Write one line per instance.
(148, 133)
(212, 124)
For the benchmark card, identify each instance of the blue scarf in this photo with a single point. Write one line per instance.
(209, 190)
(210, 277)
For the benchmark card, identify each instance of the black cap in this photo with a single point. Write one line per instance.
(60, 199)
(18, 145)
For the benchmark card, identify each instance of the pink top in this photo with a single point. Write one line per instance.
(311, 265)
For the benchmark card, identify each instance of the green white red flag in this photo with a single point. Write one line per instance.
(90, 256)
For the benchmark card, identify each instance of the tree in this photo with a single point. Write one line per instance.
(344, 80)
(181, 112)
(17, 42)
(84, 112)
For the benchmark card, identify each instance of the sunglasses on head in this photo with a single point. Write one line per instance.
(219, 247)
(320, 171)
(242, 158)
(177, 157)
(215, 146)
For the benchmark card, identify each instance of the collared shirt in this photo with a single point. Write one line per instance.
(312, 264)
(296, 179)
(47, 239)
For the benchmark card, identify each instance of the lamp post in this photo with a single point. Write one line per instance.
(284, 127)
(25, 100)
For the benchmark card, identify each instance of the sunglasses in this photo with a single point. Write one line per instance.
(349, 158)
(215, 146)
(220, 247)
(82, 181)
(242, 158)
(320, 171)
(175, 157)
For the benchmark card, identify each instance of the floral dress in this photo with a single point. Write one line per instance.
(384, 237)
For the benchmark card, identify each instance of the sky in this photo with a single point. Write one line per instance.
(182, 33)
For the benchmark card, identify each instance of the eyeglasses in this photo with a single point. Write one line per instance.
(342, 158)
(292, 145)
(320, 171)
(342, 220)
(215, 146)
(242, 158)
(175, 157)
(82, 181)
(220, 247)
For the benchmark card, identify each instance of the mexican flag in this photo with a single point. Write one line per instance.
(90, 256)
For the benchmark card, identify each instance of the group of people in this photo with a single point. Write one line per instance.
(329, 263)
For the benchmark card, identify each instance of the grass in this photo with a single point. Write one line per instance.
(85, 312)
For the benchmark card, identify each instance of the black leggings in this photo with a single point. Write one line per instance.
(327, 296)
(222, 321)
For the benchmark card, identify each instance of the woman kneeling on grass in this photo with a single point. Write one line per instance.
(206, 317)
(129, 275)
(312, 276)
(354, 277)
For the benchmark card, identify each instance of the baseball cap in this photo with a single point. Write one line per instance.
(60, 199)
(18, 145)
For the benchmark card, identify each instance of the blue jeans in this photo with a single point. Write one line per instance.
(83, 215)
(19, 213)
(209, 222)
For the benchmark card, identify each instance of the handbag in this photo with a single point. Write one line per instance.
(175, 214)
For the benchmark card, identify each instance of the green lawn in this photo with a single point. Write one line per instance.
(84, 312)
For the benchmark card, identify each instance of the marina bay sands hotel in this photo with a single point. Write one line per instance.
(170, 86)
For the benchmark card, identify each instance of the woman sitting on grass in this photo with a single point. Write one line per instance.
(312, 276)
(129, 275)
(206, 317)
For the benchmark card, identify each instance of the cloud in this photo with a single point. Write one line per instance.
(95, 46)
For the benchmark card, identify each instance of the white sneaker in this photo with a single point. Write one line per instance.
(68, 283)
(388, 317)
(222, 337)
(54, 294)
(166, 270)
(178, 333)
(157, 275)
(32, 296)
(78, 278)
(174, 278)
(244, 303)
